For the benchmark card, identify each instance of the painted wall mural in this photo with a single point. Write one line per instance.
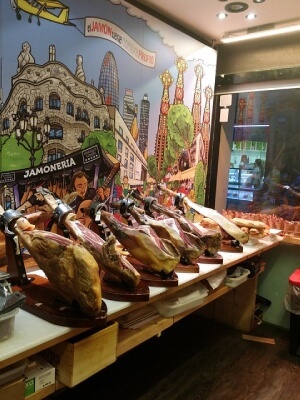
(98, 97)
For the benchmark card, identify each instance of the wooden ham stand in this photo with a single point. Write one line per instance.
(42, 299)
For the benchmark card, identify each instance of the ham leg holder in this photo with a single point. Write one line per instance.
(35, 294)
(15, 263)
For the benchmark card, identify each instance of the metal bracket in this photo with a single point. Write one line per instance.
(95, 210)
(15, 266)
(7, 219)
(148, 202)
(61, 210)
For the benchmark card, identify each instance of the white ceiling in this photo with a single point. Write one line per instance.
(199, 16)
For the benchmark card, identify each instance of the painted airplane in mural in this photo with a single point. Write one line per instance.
(51, 10)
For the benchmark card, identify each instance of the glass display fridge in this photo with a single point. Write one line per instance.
(242, 190)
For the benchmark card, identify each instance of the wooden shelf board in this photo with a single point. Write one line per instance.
(130, 338)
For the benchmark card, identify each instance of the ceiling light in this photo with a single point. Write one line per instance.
(222, 15)
(236, 7)
(251, 16)
(258, 1)
(236, 37)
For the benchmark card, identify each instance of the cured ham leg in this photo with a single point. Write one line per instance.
(113, 263)
(229, 227)
(69, 267)
(169, 229)
(211, 239)
(160, 255)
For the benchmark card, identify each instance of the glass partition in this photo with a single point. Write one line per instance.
(264, 175)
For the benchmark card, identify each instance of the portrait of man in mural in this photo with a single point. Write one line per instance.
(84, 195)
(79, 185)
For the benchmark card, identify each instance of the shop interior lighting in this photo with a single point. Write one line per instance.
(222, 16)
(252, 126)
(251, 16)
(259, 33)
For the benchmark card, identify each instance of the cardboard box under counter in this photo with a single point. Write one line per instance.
(39, 376)
(81, 357)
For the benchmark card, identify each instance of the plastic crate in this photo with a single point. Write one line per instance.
(237, 278)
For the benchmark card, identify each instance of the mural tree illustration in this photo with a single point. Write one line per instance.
(106, 140)
(3, 140)
(152, 168)
(200, 179)
(14, 157)
(169, 160)
(180, 131)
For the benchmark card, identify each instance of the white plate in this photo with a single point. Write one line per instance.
(275, 231)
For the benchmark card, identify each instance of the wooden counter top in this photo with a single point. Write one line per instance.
(33, 334)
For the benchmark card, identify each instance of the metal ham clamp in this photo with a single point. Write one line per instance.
(10, 300)
(15, 264)
(125, 206)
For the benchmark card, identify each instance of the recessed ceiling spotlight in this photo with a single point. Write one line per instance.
(236, 7)
(258, 1)
(251, 16)
(222, 16)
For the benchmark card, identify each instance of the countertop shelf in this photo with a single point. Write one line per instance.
(33, 334)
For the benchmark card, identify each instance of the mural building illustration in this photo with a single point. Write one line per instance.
(97, 100)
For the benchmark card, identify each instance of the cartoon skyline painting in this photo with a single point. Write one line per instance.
(82, 92)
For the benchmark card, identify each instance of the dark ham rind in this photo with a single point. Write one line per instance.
(144, 245)
(190, 249)
(212, 240)
(115, 264)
